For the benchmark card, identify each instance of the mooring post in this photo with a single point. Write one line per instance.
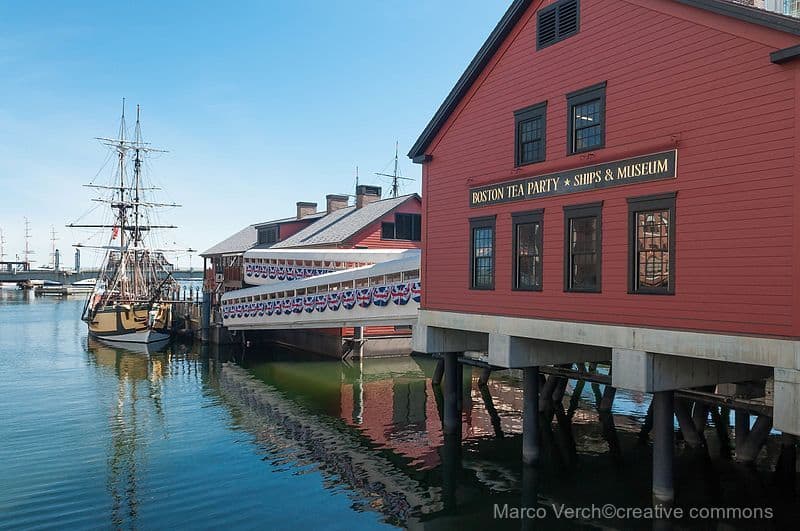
(438, 372)
(663, 443)
(530, 415)
(452, 416)
(358, 341)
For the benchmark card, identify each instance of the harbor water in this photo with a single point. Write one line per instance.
(99, 437)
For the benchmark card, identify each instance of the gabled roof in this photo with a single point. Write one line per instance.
(309, 217)
(514, 14)
(238, 243)
(341, 224)
(248, 237)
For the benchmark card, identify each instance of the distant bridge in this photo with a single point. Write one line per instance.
(68, 277)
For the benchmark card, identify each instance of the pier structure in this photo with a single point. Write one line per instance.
(341, 238)
(33, 276)
(591, 197)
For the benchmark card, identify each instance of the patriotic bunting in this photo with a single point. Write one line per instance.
(399, 294)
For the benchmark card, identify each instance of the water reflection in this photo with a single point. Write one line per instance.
(137, 410)
(375, 428)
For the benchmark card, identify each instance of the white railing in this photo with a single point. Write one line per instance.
(387, 304)
(386, 293)
(782, 7)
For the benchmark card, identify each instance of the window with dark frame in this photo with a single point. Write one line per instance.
(482, 244)
(268, 235)
(651, 244)
(583, 247)
(587, 116)
(530, 127)
(527, 259)
(556, 22)
(405, 227)
(387, 230)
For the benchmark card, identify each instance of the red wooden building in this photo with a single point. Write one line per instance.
(622, 176)
(668, 77)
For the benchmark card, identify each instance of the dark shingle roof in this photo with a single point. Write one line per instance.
(238, 243)
(339, 225)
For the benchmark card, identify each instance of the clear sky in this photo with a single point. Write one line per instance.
(260, 104)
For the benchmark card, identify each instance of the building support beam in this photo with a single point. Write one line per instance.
(663, 447)
(530, 415)
(431, 340)
(650, 372)
(514, 352)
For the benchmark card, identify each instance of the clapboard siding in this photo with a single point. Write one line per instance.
(677, 77)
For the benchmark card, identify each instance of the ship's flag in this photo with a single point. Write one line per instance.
(297, 305)
(270, 307)
(273, 272)
(321, 303)
(308, 303)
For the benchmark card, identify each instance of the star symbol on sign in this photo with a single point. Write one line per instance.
(566, 182)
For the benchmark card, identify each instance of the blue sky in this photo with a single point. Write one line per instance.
(260, 104)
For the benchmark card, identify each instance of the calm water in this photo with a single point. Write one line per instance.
(98, 437)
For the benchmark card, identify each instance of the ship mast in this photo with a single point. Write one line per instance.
(27, 253)
(396, 177)
(53, 240)
(2, 246)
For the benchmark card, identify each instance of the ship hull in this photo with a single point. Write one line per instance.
(126, 324)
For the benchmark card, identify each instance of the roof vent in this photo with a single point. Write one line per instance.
(557, 22)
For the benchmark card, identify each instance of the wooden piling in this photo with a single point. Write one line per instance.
(530, 415)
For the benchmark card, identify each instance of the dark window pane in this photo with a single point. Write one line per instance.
(530, 140)
(408, 227)
(528, 255)
(387, 231)
(586, 123)
(482, 253)
(652, 250)
(584, 259)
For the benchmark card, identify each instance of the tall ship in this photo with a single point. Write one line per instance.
(130, 301)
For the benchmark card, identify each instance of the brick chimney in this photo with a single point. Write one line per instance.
(335, 202)
(366, 194)
(305, 209)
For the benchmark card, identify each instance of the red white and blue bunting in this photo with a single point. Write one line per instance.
(380, 296)
(272, 272)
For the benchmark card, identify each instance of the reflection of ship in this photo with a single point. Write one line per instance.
(128, 303)
(131, 368)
